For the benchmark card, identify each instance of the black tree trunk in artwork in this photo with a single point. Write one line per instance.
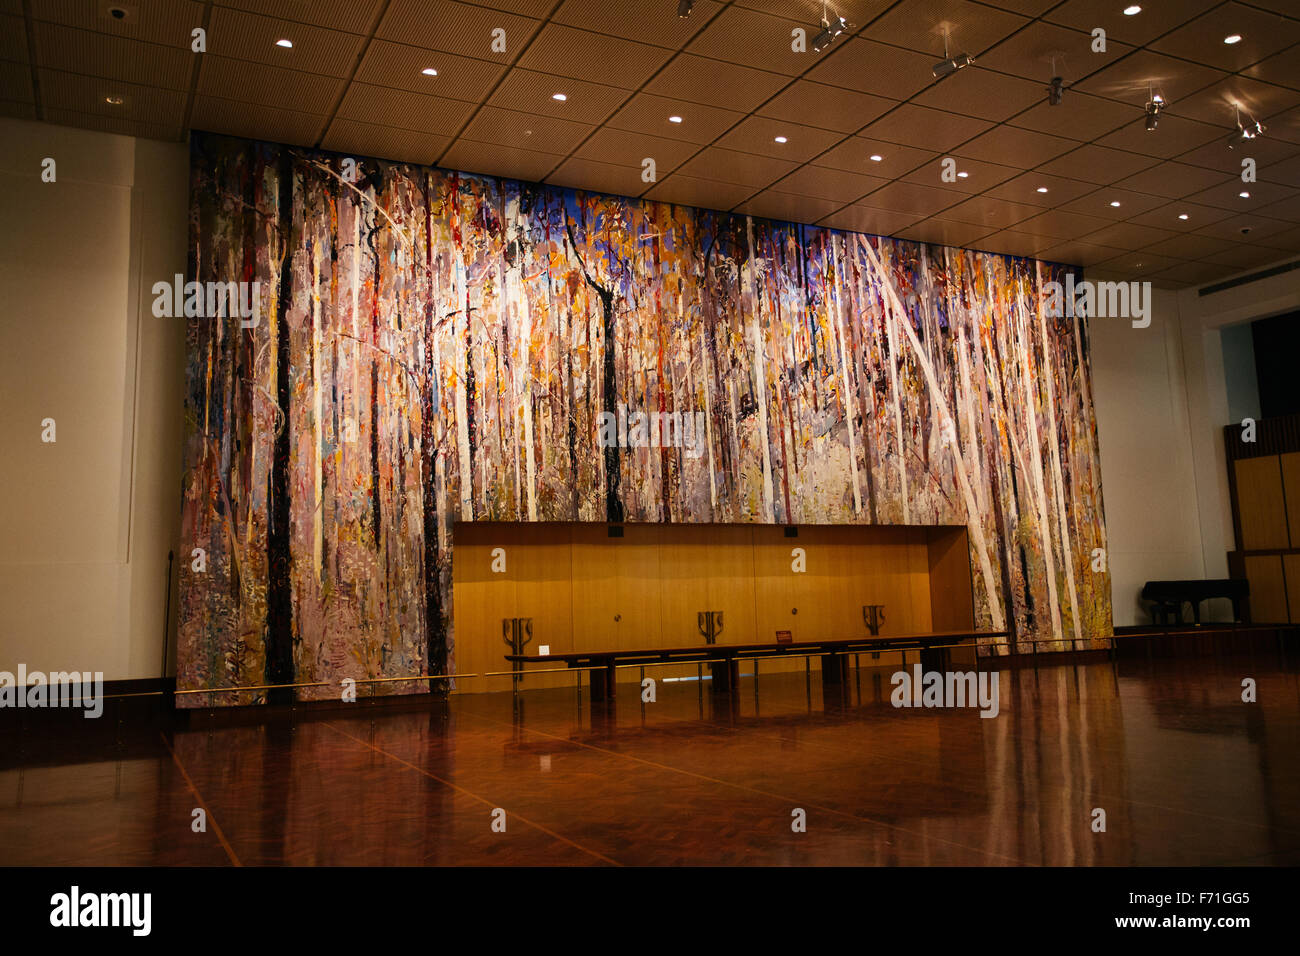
(279, 602)
(435, 631)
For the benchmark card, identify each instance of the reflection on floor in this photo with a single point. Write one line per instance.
(1185, 771)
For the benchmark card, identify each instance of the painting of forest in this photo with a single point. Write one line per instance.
(428, 347)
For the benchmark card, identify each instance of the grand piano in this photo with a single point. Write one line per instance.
(1168, 597)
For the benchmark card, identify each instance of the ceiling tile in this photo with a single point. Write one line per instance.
(1156, 17)
(1282, 69)
(383, 142)
(1262, 34)
(1171, 180)
(724, 85)
(924, 128)
(542, 134)
(1166, 217)
(1285, 126)
(645, 113)
(1217, 103)
(1138, 264)
(854, 155)
(532, 92)
(874, 68)
(1189, 246)
(397, 108)
(758, 135)
(460, 28)
(118, 58)
(353, 16)
(1228, 195)
(492, 159)
(818, 182)
(991, 212)
(982, 93)
(785, 207)
(399, 66)
(584, 55)
(923, 24)
(622, 148)
(267, 85)
(1024, 189)
(1010, 145)
(1127, 235)
(1134, 78)
(744, 169)
(16, 82)
(1100, 203)
(13, 39)
(157, 21)
(1246, 257)
(753, 39)
(1080, 116)
(236, 118)
(595, 176)
(87, 94)
(161, 127)
(1061, 225)
(1260, 228)
(912, 198)
(1096, 164)
(1194, 273)
(245, 36)
(827, 107)
(945, 232)
(1031, 53)
(873, 222)
(1265, 150)
(979, 175)
(1078, 253)
(644, 22)
(1174, 135)
(1012, 243)
(705, 193)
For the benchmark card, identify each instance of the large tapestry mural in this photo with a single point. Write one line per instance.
(404, 348)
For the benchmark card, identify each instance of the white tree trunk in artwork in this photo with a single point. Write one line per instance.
(1058, 483)
(760, 375)
(844, 360)
(975, 521)
(1036, 466)
(895, 370)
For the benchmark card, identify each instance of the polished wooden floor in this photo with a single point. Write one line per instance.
(1186, 773)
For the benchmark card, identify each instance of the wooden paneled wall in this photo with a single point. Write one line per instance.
(1266, 513)
(586, 590)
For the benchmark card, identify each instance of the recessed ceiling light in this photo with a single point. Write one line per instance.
(1115, 203)
(287, 44)
(1233, 38)
(113, 100)
(1243, 194)
(1182, 215)
(674, 119)
(876, 157)
(963, 174)
(1132, 11)
(559, 96)
(1042, 189)
(429, 71)
(781, 139)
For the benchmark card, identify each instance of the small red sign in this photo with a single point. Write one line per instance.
(784, 637)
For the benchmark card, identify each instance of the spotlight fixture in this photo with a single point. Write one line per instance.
(1055, 90)
(1234, 38)
(830, 29)
(113, 100)
(1115, 203)
(1042, 189)
(1243, 194)
(429, 71)
(559, 96)
(951, 64)
(1245, 131)
(1182, 216)
(684, 8)
(1155, 104)
(876, 157)
(780, 139)
(1132, 11)
(674, 119)
(287, 44)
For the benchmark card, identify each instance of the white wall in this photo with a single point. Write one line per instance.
(86, 522)
(1147, 468)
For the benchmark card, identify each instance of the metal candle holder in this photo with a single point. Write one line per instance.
(516, 632)
(710, 623)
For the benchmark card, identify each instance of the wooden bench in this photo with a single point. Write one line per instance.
(724, 659)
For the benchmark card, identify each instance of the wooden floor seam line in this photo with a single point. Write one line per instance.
(211, 818)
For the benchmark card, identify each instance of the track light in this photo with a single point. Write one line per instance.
(1154, 105)
(684, 8)
(1245, 131)
(951, 64)
(1055, 90)
(831, 28)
